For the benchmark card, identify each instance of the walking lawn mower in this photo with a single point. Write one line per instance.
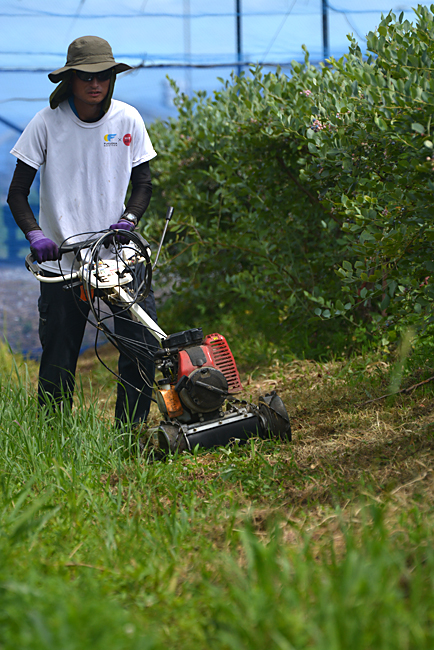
(199, 377)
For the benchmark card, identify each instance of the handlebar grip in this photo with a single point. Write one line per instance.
(76, 247)
(68, 248)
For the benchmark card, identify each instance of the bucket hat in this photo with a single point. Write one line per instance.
(89, 54)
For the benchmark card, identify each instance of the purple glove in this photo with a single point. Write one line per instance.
(42, 248)
(122, 225)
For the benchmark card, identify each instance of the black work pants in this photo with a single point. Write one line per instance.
(62, 321)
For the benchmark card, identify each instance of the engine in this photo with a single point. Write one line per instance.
(199, 375)
(199, 378)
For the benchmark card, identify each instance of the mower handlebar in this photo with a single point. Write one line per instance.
(63, 249)
(30, 266)
(75, 248)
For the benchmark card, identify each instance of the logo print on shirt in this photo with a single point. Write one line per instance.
(127, 139)
(108, 140)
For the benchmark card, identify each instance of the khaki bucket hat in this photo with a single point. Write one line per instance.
(89, 54)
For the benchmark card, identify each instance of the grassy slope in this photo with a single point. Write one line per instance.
(322, 543)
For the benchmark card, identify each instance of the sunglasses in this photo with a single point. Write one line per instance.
(90, 76)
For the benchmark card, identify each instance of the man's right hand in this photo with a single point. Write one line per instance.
(44, 249)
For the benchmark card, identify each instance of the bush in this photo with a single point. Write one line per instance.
(308, 195)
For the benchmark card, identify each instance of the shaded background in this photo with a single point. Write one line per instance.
(195, 42)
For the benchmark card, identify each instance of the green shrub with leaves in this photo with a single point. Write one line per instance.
(248, 241)
(305, 197)
(378, 159)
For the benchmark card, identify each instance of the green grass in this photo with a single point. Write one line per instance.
(324, 543)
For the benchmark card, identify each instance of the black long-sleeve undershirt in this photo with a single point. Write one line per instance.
(19, 191)
(24, 175)
(141, 190)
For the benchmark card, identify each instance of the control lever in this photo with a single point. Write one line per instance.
(169, 214)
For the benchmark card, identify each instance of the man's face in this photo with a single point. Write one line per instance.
(89, 92)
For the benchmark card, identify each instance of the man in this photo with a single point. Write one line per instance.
(88, 147)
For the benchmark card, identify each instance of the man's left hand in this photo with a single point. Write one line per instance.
(122, 225)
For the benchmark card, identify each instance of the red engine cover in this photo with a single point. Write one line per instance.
(215, 352)
(196, 357)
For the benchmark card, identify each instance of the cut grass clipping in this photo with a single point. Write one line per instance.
(322, 543)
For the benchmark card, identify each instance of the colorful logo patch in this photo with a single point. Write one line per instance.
(109, 137)
(127, 139)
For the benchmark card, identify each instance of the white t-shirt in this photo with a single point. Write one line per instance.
(85, 168)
